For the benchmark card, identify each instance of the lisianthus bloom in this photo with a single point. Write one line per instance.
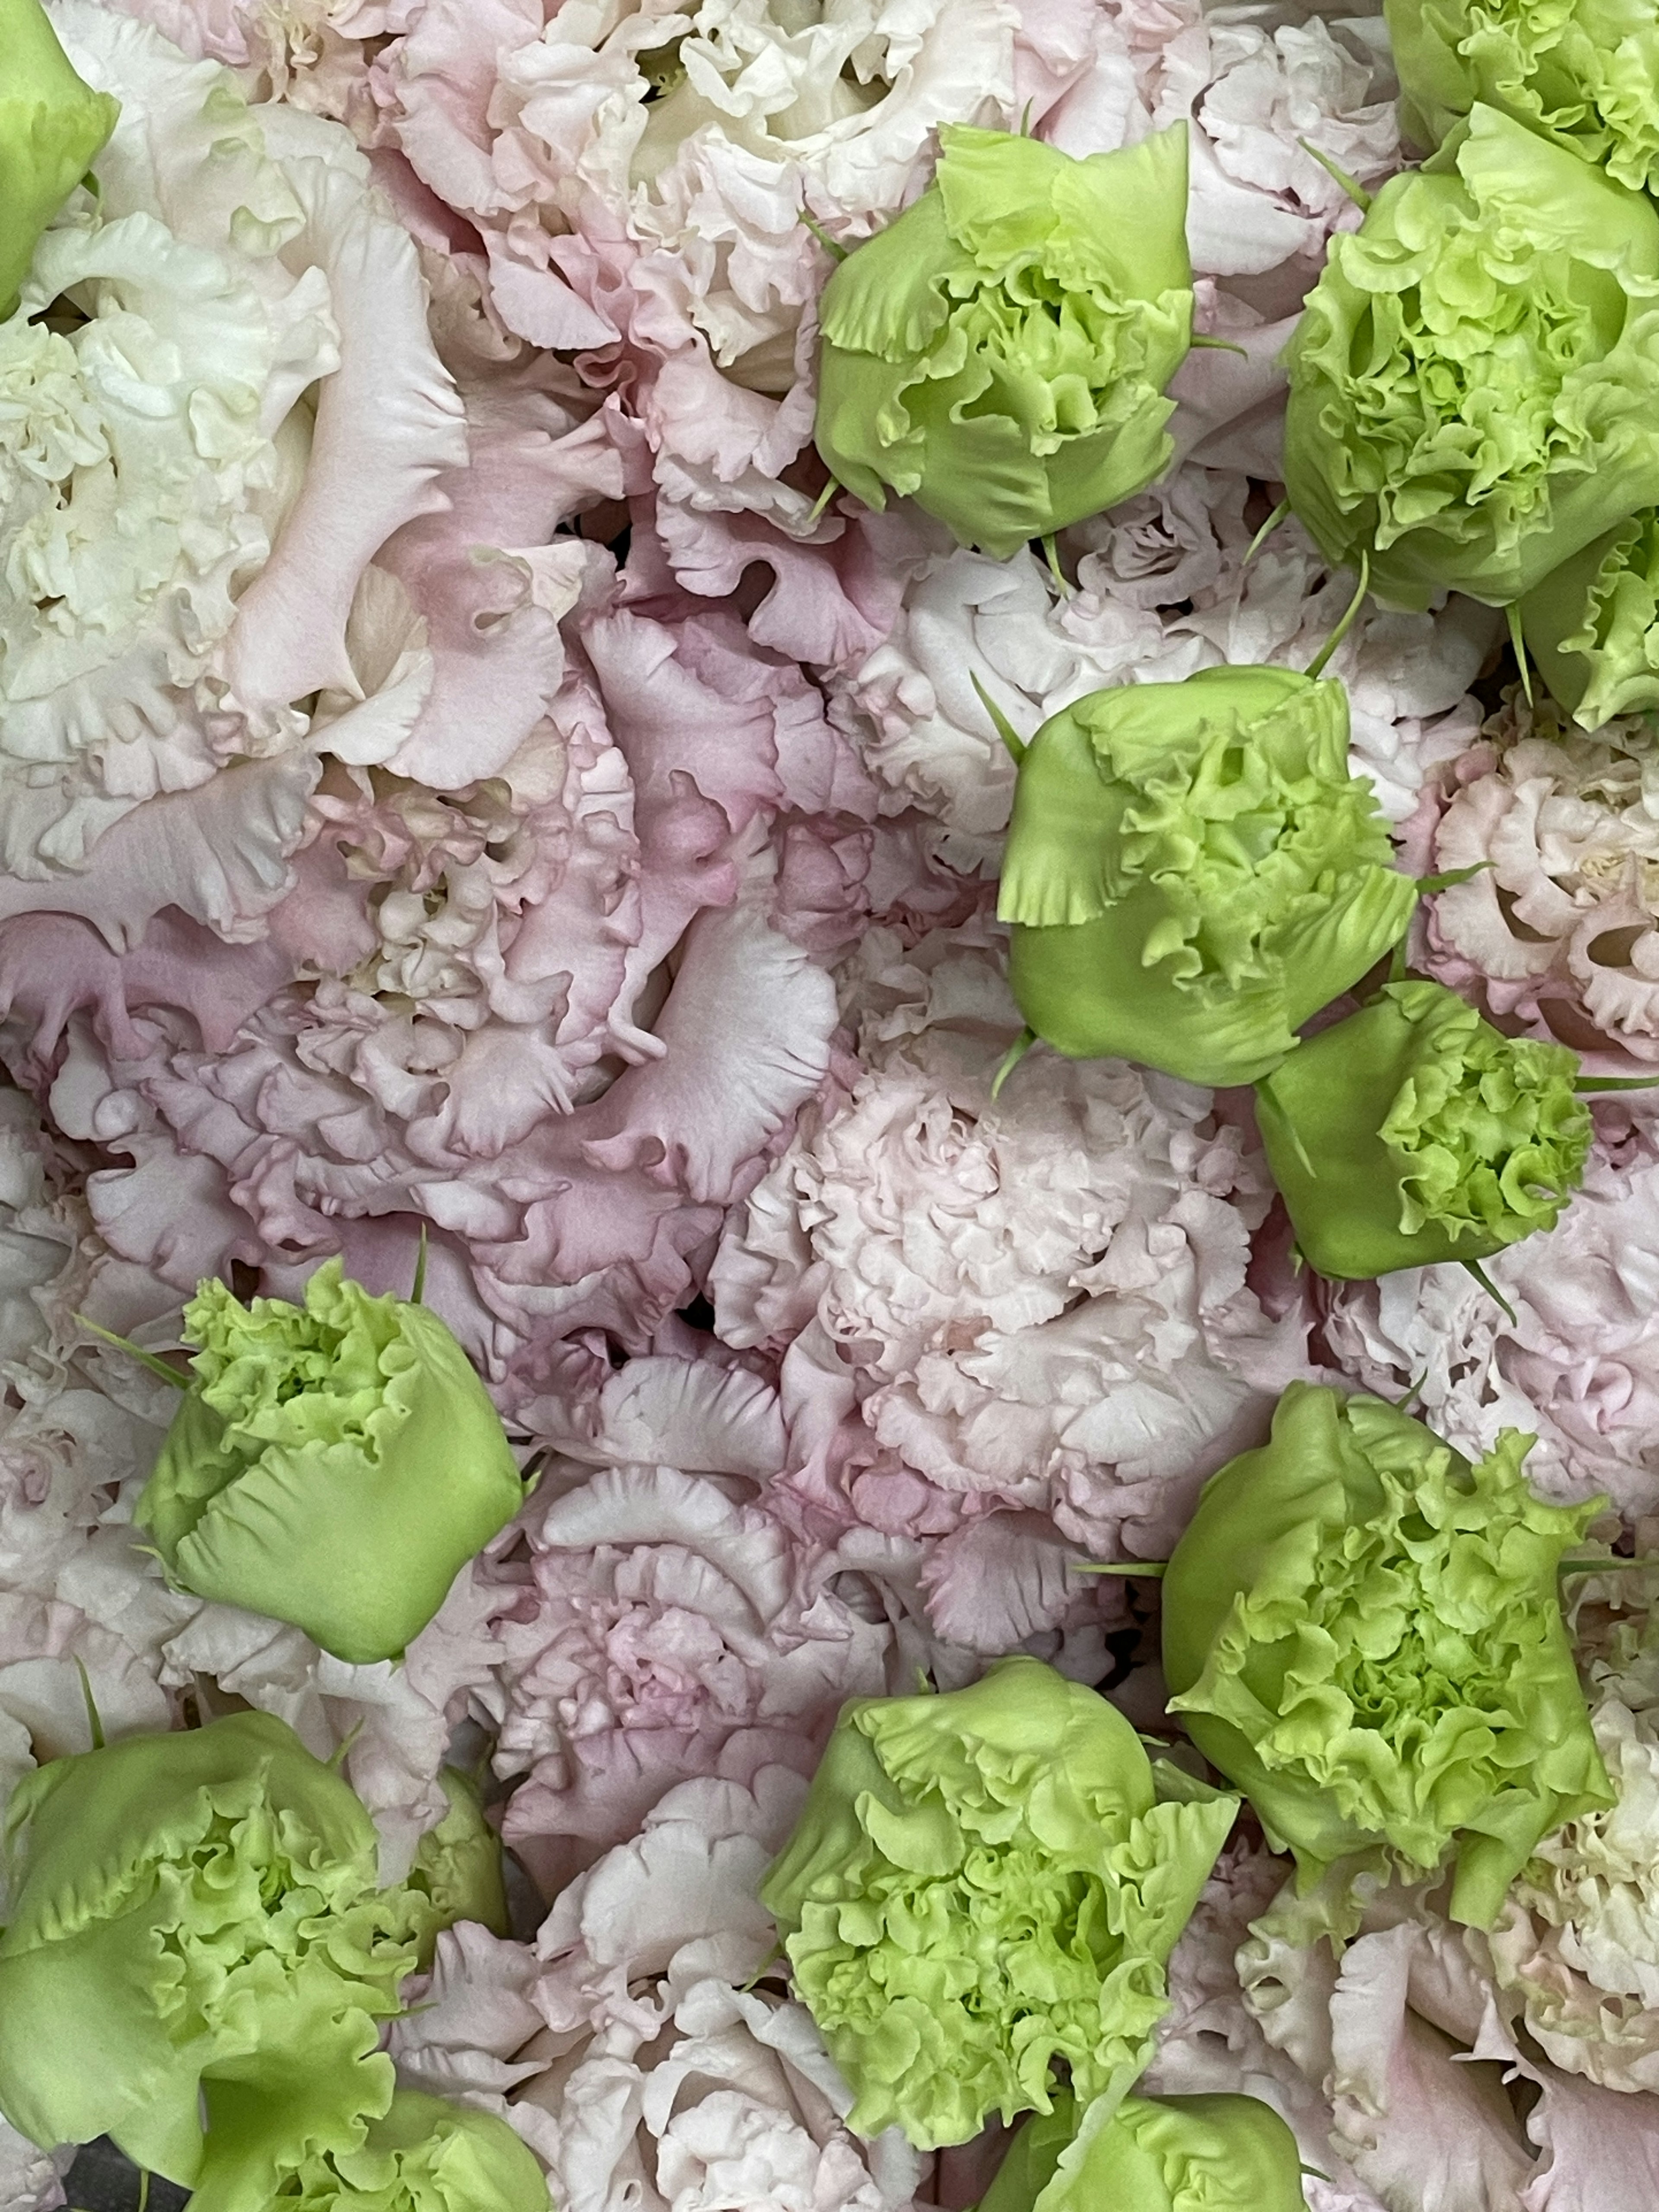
(1191, 872)
(999, 352)
(1361, 1631)
(1474, 382)
(1414, 1131)
(424, 2154)
(1582, 72)
(957, 1853)
(194, 1919)
(52, 125)
(1206, 2153)
(1593, 625)
(334, 1464)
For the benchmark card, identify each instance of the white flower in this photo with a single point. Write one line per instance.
(218, 399)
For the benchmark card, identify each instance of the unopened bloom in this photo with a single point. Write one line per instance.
(1361, 1631)
(999, 352)
(957, 1853)
(1414, 1131)
(1191, 873)
(334, 1464)
(1474, 382)
(51, 126)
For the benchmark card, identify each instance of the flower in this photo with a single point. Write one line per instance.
(999, 351)
(957, 1855)
(1583, 74)
(661, 1633)
(1039, 1301)
(1361, 1630)
(1592, 625)
(335, 1465)
(421, 2154)
(1474, 380)
(642, 2048)
(1191, 873)
(1414, 1131)
(1554, 929)
(51, 126)
(1576, 1355)
(1203, 2154)
(204, 449)
(1578, 1940)
(196, 1916)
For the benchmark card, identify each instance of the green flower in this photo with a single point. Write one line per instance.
(1214, 2154)
(458, 1866)
(423, 2155)
(1582, 72)
(1593, 625)
(1474, 382)
(1414, 1131)
(195, 1919)
(999, 352)
(335, 1465)
(982, 1886)
(1191, 872)
(53, 127)
(1363, 1633)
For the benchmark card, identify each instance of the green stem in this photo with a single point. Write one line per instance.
(418, 1292)
(156, 1366)
(1512, 615)
(1315, 667)
(823, 237)
(1051, 554)
(1280, 514)
(1153, 1570)
(1474, 1268)
(823, 499)
(1352, 186)
(1013, 741)
(1011, 1058)
(1218, 345)
(94, 1723)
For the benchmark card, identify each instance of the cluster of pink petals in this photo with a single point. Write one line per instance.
(512, 817)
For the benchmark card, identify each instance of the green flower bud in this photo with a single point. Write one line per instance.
(52, 128)
(1474, 382)
(458, 1866)
(423, 2155)
(334, 1465)
(1414, 1131)
(1584, 73)
(999, 352)
(983, 1885)
(1212, 2153)
(1191, 873)
(1592, 626)
(196, 1917)
(1362, 1632)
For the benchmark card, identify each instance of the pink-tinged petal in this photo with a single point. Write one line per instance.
(389, 422)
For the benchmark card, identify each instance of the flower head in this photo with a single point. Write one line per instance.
(196, 1917)
(334, 1464)
(1474, 380)
(424, 2154)
(1414, 1131)
(51, 126)
(1202, 2154)
(1593, 625)
(981, 1885)
(999, 352)
(1191, 873)
(1363, 1633)
(1582, 72)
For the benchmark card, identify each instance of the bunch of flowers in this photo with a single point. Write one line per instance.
(827, 1369)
